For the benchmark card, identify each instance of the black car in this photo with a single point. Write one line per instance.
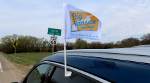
(93, 66)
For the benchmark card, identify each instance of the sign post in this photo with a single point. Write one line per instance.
(53, 42)
(53, 32)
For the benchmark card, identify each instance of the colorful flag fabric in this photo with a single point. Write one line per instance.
(81, 24)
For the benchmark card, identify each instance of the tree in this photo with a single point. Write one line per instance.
(129, 42)
(146, 39)
(59, 47)
(108, 45)
(0, 47)
(70, 46)
(95, 45)
(27, 44)
(9, 43)
(80, 44)
(18, 43)
(15, 43)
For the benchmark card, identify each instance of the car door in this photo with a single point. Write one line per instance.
(39, 73)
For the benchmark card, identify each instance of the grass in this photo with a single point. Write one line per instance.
(26, 58)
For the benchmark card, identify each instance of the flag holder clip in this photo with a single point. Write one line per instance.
(68, 73)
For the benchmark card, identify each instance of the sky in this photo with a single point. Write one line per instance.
(120, 18)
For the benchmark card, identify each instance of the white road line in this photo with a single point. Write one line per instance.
(1, 69)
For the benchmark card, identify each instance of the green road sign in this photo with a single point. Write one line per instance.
(52, 31)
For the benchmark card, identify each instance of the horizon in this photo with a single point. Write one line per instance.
(87, 40)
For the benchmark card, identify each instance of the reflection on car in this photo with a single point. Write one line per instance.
(93, 66)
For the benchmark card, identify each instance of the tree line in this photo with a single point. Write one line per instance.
(19, 43)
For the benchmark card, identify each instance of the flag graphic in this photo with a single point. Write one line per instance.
(81, 24)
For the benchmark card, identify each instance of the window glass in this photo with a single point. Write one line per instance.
(58, 77)
(39, 73)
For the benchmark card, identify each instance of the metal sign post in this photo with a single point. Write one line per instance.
(53, 42)
(53, 32)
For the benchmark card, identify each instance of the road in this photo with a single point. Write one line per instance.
(8, 71)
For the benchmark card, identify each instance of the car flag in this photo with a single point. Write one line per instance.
(81, 24)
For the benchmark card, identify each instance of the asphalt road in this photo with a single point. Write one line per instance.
(8, 71)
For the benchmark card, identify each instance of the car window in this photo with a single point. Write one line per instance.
(58, 77)
(38, 75)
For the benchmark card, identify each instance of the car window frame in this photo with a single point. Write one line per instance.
(79, 74)
(34, 67)
(78, 71)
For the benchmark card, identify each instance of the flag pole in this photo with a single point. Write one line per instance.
(65, 55)
(67, 73)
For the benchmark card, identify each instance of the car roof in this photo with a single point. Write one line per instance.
(136, 50)
(137, 54)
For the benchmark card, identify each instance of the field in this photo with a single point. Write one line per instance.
(26, 58)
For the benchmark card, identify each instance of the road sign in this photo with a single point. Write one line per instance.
(53, 40)
(52, 31)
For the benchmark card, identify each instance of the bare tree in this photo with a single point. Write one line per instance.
(146, 39)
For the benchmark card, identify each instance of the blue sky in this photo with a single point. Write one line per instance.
(120, 18)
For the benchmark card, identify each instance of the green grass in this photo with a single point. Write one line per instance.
(26, 58)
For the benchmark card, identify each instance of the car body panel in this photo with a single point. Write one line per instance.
(113, 70)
